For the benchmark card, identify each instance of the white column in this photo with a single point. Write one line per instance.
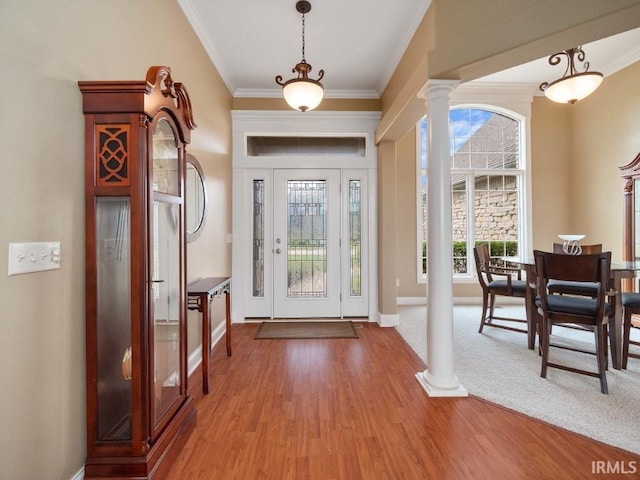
(438, 380)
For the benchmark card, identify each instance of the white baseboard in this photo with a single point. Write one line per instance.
(79, 475)
(461, 301)
(195, 359)
(387, 320)
(411, 300)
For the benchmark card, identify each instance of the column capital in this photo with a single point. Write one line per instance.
(436, 87)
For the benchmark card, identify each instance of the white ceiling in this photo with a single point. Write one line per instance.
(358, 43)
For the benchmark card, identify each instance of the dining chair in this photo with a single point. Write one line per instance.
(504, 284)
(585, 312)
(575, 288)
(630, 307)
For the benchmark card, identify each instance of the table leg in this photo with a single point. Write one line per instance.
(615, 330)
(530, 306)
(206, 342)
(228, 321)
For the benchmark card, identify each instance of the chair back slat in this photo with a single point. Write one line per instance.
(586, 249)
(483, 261)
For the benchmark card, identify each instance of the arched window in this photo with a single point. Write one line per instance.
(487, 183)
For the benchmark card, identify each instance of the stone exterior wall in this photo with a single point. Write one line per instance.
(496, 214)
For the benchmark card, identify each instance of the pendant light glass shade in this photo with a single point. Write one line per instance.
(303, 95)
(572, 89)
(573, 86)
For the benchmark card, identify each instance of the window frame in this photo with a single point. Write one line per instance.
(519, 113)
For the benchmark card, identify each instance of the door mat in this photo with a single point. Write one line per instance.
(274, 330)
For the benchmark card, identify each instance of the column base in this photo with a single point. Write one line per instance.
(437, 391)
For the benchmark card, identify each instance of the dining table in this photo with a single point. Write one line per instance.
(619, 271)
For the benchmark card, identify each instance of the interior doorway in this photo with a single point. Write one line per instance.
(304, 218)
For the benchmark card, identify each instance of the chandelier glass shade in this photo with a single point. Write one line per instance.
(573, 85)
(302, 93)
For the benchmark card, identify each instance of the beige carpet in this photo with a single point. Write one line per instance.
(497, 366)
(289, 329)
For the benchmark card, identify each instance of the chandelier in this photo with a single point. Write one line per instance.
(301, 92)
(573, 86)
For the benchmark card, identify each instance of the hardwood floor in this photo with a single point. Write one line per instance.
(352, 409)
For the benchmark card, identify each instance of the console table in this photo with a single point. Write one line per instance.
(200, 294)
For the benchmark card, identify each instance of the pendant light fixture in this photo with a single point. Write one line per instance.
(302, 93)
(573, 86)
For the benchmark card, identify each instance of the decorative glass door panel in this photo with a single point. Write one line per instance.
(306, 238)
(306, 245)
(165, 274)
(165, 159)
(166, 308)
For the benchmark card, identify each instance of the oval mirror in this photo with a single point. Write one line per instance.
(196, 198)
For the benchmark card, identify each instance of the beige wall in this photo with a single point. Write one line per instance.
(550, 171)
(407, 223)
(387, 235)
(46, 47)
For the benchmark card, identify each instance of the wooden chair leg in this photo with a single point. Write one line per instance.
(544, 345)
(492, 303)
(601, 339)
(626, 337)
(608, 340)
(485, 304)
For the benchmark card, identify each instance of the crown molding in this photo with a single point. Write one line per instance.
(194, 19)
(401, 47)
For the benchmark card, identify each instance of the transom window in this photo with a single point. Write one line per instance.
(487, 185)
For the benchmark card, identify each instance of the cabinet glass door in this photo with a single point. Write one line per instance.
(165, 274)
(636, 220)
(113, 319)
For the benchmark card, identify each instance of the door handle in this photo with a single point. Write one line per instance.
(278, 250)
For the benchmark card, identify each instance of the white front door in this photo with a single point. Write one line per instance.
(313, 275)
(306, 243)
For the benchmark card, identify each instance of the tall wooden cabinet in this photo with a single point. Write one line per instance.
(631, 218)
(138, 410)
(631, 233)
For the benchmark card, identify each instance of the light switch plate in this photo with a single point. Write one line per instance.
(33, 257)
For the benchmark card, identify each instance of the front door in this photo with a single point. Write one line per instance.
(306, 243)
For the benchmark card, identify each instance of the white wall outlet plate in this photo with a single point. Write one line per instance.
(33, 257)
